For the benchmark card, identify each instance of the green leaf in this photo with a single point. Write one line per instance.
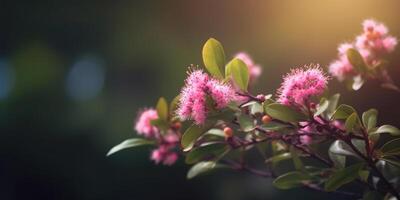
(200, 168)
(343, 111)
(246, 123)
(133, 142)
(356, 60)
(358, 82)
(351, 122)
(322, 106)
(284, 113)
(160, 123)
(372, 195)
(274, 126)
(174, 105)
(162, 109)
(339, 161)
(298, 164)
(256, 108)
(207, 150)
(291, 180)
(239, 72)
(216, 132)
(340, 148)
(342, 176)
(391, 148)
(364, 174)
(387, 129)
(369, 118)
(333, 102)
(214, 57)
(192, 134)
(278, 158)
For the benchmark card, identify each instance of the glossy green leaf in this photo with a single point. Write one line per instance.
(216, 132)
(239, 72)
(356, 60)
(333, 102)
(246, 123)
(351, 122)
(369, 118)
(322, 106)
(387, 129)
(256, 108)
(298, 164)
(340, 148)
(207, 150)
(291, 180)
(192, 134)
(391, 148)
(200, 168)
(339, 161)
(278, 158)
(133, 142)
(274, 126)
(284, 113)
(214, 57)
(342, 176)
(160, 123)
(162, 108)
(343, 111)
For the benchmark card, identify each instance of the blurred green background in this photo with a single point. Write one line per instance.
(74, 73)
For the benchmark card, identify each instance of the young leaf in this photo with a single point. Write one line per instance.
(369, 118)
(246, 123)
(343, 111)
(192, 134)
(200, 168)
(284, 113)
(333, 102)
(342, 176)
(206, 150)
(351, 122)
(214, 57)
(133, 142)
(387, 129)
(291, 180)
(162, 109)
(356, 60)
(322, 106)
(239, 72)
(174, 105)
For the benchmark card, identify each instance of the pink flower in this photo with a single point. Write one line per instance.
(375, 38)
(254, 69)
(301, 84)
(341, 68)
(389, 43)
(164, 155)
(193, 101)
(305, 139)
(143, 124)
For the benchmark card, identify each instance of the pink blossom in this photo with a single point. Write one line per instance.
(301, 84)
(164, 155)
(305, 139)
(375, 38)
(254, 69)
(193, 101)
(341, 68)
(143, 124)
(389, 43)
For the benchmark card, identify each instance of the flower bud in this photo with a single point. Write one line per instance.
(266, 119)
(228, 132)
(261, 97)
(177, 125)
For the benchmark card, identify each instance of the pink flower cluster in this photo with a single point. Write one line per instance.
(143, 124)
(254, 69)
(164, 153)
(301, 84)
(372, 43)
(193, 97)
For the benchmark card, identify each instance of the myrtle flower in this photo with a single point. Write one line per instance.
(301, 84)
(193, 101)
(164, 153)
(341, 68)
(143, 124)
(254, 69)
(375, 38)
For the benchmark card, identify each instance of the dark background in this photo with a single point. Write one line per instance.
(74, 73)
